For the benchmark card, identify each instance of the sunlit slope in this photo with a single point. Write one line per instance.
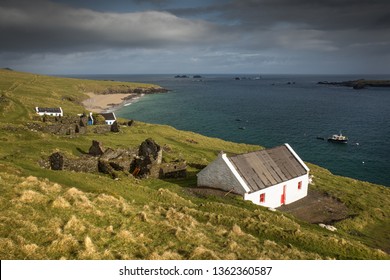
(21, 92)
(46, 214)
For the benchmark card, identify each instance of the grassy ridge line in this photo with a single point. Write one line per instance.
(22, 92)
(86, 216)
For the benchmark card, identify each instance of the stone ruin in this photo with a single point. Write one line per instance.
(96, 149)
(146, 162)
(72, 125)
(56, 161)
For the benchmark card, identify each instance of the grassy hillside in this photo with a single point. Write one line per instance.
(46, 214)
(22, 92)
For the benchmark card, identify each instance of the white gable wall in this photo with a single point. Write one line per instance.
(218, 174)
(110, 122)
(274, 194)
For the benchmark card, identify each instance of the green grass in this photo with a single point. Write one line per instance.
(25, 91)
(47, 214)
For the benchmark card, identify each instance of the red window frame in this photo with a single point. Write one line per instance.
(299, 185)
(262, 198)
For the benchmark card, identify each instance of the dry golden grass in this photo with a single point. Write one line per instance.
(64, 247)
(176, 218)
(236, 230)
(170, 197)
(61, 203)
(78, 199)
(30, 196)
(202, 253)
(74, 226)
(167, 255)
(84, 225)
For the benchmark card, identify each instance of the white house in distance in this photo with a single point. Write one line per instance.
(110, 118)
(56, 112)
(271, 177)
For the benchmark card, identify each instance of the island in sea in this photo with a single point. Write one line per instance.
(358, 84)
(82, 212)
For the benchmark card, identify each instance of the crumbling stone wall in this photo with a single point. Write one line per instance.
(143, 162)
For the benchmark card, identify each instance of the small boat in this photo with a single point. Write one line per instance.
(338, 138)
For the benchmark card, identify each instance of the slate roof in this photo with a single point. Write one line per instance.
(48, 110)
(265, 168)
(109, 116)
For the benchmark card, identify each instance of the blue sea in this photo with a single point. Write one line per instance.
(270, 110)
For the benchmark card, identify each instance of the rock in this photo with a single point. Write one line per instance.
(96, 149)
(271, 209)
(331, 228)
(56, 161)
(115, 127)
(328, 227)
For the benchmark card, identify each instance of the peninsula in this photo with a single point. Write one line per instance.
(358, 84)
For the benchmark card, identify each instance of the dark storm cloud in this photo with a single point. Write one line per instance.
(49, 27)
(318, 14)
(303, 24)
(223, 35)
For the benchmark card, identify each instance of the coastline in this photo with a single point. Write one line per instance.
(104, 103)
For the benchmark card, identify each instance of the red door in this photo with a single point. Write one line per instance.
(283, 198)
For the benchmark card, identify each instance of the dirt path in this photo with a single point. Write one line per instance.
(315, 208)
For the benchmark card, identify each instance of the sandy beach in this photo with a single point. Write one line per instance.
(99, 103)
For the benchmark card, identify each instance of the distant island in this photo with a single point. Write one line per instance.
(358, 84)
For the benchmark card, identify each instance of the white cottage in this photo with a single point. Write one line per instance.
(56, 112)
(109, 118)
(271, 177)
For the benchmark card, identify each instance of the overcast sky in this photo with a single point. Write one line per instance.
(188, 37)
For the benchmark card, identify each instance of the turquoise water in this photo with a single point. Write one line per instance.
(279, 109)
